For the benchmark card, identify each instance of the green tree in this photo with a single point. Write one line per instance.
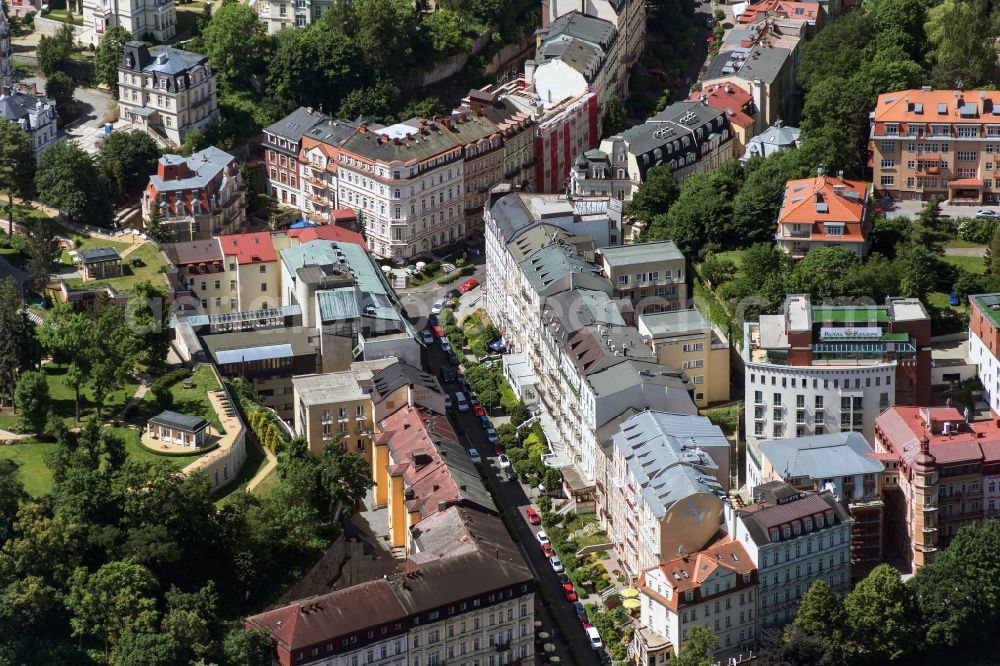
(345, 477)
(10, 315)
(821, 616)
(921, 271)
(961, 53)
(698, 649)
(823, 272)
(60, 88)
(54, 50)
(655, 195)
(887, 232)
(126, 160)
(448, 32)
(11, 495)
(246, 647)
(375, 101)
(114, 349)
(147, 318)
(235, 41)
(148, 649)
(111, 602)
(109, 56)
(43, 250)
(429, 107)
(155, 228)
(17, 167)
(67, 335)
(552, 479)
(992, 258)
(883, 616)
(385, 36)
(68, 179)
(613, 121)
(32, 399)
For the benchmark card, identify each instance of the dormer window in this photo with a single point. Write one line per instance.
(797, 528)
(807, 523)
(786, 531)
(819, 521)
(775, 536)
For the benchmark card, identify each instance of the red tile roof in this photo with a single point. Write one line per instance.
(251, 248)
(900, 429)
(329, 232)
(805, 11)
(823, 200)
(694, 569)
(772, 516)
(731, 99)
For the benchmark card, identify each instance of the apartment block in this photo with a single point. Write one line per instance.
(690, 137)
(813, 370)
(738, 106)
(795, 538)
(984, 344)
(670, 475)
(936, 143)
(578, 52)
(465, 597)
(282, 144)
(649, 275)
(685, 339)
(845, 464)
(152, 20)
(166, 91)
(946, 477)
(555, 308)
(199, 196)
(237, 272)
(516, 127)
(822, 212)
(278, 14)
(317, 159)
(337, 405)
(482, 147)
(628, 18)
(715, 588)
(406, 182)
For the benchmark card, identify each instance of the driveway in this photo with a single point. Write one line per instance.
(511, 498)
(94, 106)
(418, 301)
(912, 208)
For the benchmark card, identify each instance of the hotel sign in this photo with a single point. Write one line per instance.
(851, 333)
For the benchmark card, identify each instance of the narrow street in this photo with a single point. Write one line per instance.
(559, 621)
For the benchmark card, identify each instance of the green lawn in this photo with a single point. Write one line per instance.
(971, 264)
(193, 401)
(137, 451)
(958, 242)
(30, 458)
(267, 484)
(735, 256)
(64, 16)
(13, 256)
(187, 17)
(254, 463)
(939, 299)
(62, 397)
(151, 269)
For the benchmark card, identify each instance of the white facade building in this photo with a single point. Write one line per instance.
(154, 20)
(794, 539)
(167, 91)
(35, 115)
(278, 14)
(406, 184)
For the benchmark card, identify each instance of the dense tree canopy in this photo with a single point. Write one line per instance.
(109, 56)
(68, 179)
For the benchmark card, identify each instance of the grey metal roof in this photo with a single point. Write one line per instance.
(587, 28)
(569, 311)
(261, 353)
(97, 255)
(253, 345)
(821, 456)
(641, 253)
(772, 140)
(674, 322)
(581, 56)
(18, 106)
(402, 142)
(633, 372)
(180, 421)
(337, 304)
(511, 215)
(540, 235)
(661, 138)
(296, 123)
(554, 263)
(331, 132)
(403, 374)
(668, 456)
(203, 167)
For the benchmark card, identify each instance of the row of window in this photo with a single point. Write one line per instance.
(804, 381)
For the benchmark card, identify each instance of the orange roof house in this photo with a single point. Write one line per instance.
(824, 210)
(809, 12)
(732, 100)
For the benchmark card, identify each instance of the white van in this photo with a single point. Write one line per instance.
(595, 638)
(463, 404)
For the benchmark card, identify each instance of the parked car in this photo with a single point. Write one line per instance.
(485, 422)
(447, 401)
(581, 612)
(987, 214)
(427, 336)
(547, 550)
(493, 438)
(461, 402)
(444, 344)
(478, 409)
(469, 285)
(503, 461)
(437, 307)
(557, 564)
(475, 456)
(542, 536)
(509, 473)
(452, 358)
(447, 375)
(438, 331)
(498, 448)
(532, 515)
(594, 637)
(569, 592)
